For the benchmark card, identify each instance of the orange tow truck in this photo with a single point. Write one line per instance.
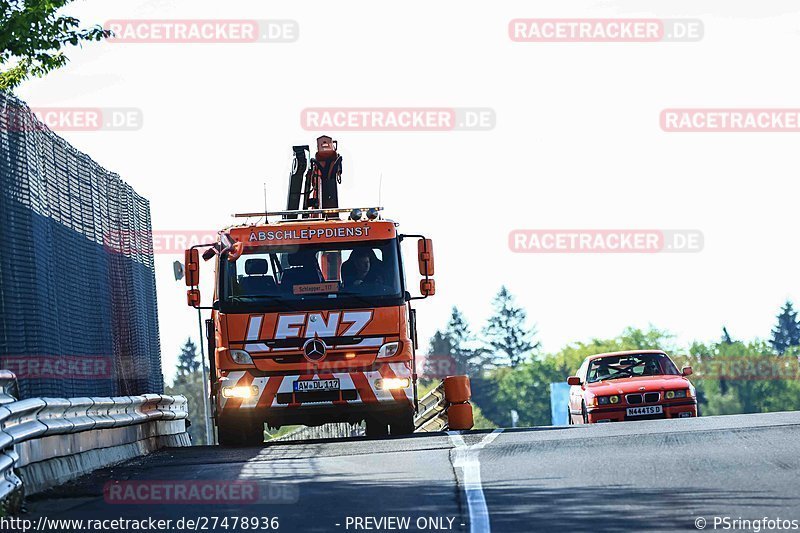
(311, 320)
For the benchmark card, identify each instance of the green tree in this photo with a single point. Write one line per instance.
(455, 350)
(32, 35)
(508, 338)
(188, 360)
(440, 348)
(726, 337)
(191, 386)
(787, 332)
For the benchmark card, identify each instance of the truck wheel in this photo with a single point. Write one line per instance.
(377, 428)
(240, 432)
(402, 424)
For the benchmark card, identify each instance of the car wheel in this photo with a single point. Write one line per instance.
(584, 413)
(569, 417)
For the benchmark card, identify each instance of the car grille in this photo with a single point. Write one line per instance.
(633, 399)
(651, 397)
(648, 397)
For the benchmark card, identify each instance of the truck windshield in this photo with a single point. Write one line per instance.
(312, 276)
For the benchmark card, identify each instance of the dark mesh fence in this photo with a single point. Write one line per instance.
(77, 283)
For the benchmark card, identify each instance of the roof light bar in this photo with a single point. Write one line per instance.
(335, 211)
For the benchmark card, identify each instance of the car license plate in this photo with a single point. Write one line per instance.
(645, 410)
(316, 385)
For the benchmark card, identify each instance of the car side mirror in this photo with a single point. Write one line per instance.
(574, 381)
(686, 371)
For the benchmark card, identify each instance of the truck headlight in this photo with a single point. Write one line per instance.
(241, 357)
(390, 349)
(392, 383)
(240, 392)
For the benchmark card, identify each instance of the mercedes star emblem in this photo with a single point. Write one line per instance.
(314, 350)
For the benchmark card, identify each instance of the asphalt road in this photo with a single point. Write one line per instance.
(635, 476)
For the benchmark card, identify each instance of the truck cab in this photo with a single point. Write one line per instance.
(311, 323)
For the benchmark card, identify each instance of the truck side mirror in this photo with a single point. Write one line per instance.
(192, 267)
(425, 257)
(427, 287)
(193, 298)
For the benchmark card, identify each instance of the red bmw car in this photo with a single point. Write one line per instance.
(634, 385)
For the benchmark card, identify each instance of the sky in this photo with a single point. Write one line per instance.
(576, 144)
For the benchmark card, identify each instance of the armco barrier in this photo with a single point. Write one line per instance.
(8, 387)
(446, 407)
(45, 442)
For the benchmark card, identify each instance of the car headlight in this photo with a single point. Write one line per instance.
(676, 394)
(241, 357)
(605, 400)
(390, 349)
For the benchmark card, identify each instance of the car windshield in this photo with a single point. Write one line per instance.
(319, 275)
(627, 366)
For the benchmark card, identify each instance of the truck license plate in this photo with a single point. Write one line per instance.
(316, 385)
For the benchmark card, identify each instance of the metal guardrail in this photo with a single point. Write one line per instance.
(41, 429)
(8, 387)
(432, 414)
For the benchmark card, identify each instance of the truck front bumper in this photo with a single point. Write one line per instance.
(359, 391)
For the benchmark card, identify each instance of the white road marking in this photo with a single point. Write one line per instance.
(466, 458)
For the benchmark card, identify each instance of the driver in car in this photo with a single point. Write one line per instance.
(651, 368)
